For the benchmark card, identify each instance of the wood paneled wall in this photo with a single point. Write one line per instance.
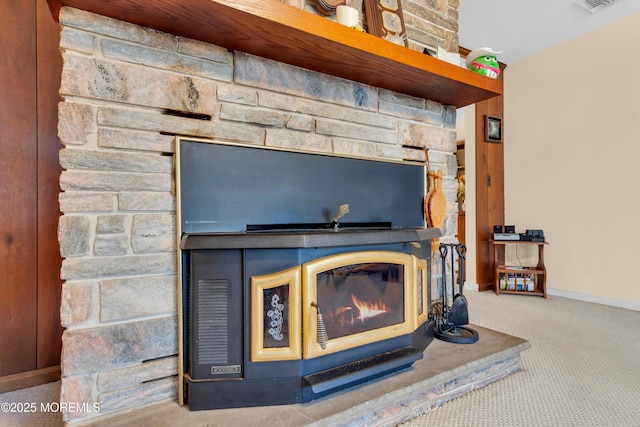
(489, 189)
(30, 285)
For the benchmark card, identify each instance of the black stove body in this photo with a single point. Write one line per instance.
(258, 238)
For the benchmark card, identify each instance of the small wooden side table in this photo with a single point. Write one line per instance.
(515, 278)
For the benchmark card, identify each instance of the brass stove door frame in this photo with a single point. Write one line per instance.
(312, 347)
(421, 291)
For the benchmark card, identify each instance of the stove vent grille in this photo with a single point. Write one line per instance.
(595, 5)
(212, 333)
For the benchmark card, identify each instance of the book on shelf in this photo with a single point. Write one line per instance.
(524, 282)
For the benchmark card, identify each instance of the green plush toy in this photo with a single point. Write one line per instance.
(483, 61)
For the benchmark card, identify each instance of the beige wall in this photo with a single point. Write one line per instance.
(465, 128)
(572, 148)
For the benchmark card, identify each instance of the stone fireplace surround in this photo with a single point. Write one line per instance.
(127, 91)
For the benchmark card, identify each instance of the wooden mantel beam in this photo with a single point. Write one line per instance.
(283, 33)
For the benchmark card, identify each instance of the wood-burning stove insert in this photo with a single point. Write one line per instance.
(272, 316)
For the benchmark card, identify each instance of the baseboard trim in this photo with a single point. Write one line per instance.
(29, 379)
(471, 286)
(613, 302)
(630, 305)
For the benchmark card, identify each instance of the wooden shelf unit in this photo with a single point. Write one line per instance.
(277, 31)
(539, 271)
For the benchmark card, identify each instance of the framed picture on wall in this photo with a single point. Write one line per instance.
(492, 129)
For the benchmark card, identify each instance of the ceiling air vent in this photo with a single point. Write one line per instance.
(595, 5)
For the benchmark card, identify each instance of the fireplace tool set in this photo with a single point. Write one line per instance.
(450, 320)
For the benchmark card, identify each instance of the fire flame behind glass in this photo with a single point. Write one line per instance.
(361, 297)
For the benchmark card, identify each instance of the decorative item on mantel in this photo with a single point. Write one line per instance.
(298, 4)
(386, 20)
(349, 17)
(326, 7)
(450, 57)
(483, 61)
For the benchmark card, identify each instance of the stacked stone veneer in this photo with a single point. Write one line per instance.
(429, 23)
(125, 92)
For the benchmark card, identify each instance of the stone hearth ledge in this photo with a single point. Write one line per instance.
(447, 371)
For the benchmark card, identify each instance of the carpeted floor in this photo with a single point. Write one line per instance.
(583, 369)
(31, 407)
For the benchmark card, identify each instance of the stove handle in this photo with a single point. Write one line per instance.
(322, 331)
(342, 211)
